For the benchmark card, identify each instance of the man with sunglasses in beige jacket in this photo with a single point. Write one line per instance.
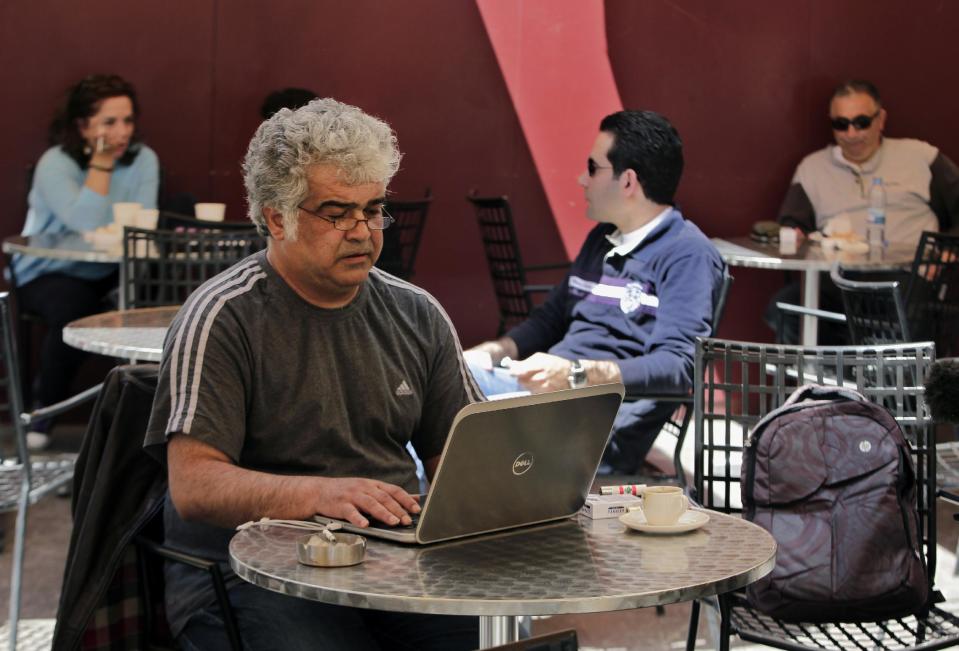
(833, 183)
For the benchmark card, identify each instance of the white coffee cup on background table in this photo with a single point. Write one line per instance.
(664, 505)
(211, 212)
(125, 213)
(147, 218)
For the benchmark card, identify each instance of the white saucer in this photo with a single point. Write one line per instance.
(687, 522)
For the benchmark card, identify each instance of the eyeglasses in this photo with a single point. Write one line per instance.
(591, 167)
(860, 122)
(377, 218)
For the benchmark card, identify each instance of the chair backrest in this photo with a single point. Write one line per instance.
(495, 219)
(719, 302)
(875, 311)
(738, 383)
(932, 298)
(401, 240)
(164, 267)
(172, 221)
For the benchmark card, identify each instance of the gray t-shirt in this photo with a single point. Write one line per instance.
(282, 386)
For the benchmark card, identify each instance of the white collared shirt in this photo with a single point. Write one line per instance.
(624, 243)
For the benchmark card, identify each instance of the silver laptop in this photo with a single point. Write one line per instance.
(510, 463)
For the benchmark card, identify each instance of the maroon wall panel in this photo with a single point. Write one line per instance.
(745, 81)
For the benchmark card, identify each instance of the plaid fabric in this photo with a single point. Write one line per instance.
(119, 621)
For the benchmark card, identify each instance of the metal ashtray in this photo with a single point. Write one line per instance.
(347, 549)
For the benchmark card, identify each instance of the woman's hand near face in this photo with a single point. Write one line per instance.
(102, 152)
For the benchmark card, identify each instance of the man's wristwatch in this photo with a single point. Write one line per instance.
(577, 375)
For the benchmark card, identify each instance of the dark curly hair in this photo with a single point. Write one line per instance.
(82, 101)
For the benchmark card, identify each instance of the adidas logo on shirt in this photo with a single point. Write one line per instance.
(404, 389)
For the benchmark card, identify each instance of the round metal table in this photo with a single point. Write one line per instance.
(136, 335)
(62, 246)
(576, 566)
(810, 259)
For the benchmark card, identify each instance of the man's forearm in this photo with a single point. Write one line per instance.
(206, 486)
(498, 349)
(601, 372)
(226, 495)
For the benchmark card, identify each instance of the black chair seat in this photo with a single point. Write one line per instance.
(936, 629)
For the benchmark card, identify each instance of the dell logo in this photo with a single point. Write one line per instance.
(523, 463)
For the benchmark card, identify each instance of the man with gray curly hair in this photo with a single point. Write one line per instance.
(292, 383)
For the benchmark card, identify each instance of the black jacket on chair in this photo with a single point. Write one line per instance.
(117, 489)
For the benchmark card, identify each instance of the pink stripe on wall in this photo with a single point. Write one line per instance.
(554, 58)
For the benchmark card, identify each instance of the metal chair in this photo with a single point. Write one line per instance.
(513, 295)
(742, 382)
(875, 311)
(24, 478)
(172, 221)
(164, 267)
(401, 240)
(565, 640)
(932, 298)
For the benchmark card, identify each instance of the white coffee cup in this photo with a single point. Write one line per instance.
(788, 240)
(211, 212)
(664, 505)
(125, 213)
(147, 218)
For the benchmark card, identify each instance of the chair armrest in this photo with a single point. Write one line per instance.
(216, 577)
(678, 398)
(538, 288)
(950, 497)
(60, 407)
(789, 308)
(546, 267)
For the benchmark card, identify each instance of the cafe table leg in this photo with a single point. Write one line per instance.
(810, 299)
(495, 630)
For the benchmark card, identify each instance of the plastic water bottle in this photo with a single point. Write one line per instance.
(876, 221)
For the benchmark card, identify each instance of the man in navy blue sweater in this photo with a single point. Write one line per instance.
(638, 294)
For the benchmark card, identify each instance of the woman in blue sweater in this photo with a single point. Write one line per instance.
(95, 161)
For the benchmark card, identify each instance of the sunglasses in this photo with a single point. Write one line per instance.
(591, 167)
(860, 122)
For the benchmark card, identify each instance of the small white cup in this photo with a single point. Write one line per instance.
(125, 213)
(211, 212)
(788, 241)
(147, 218)
(664, 505)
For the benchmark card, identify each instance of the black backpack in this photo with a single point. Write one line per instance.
(829, 474)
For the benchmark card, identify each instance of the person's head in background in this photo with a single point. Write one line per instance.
(291, 98)
(633, 169)
(98, 106)
(857, 119)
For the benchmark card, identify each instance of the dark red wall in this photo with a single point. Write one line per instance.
(746, 82)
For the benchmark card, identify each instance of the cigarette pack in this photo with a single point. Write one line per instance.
(608, 506)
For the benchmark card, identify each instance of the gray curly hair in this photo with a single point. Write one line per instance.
(324, 132)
